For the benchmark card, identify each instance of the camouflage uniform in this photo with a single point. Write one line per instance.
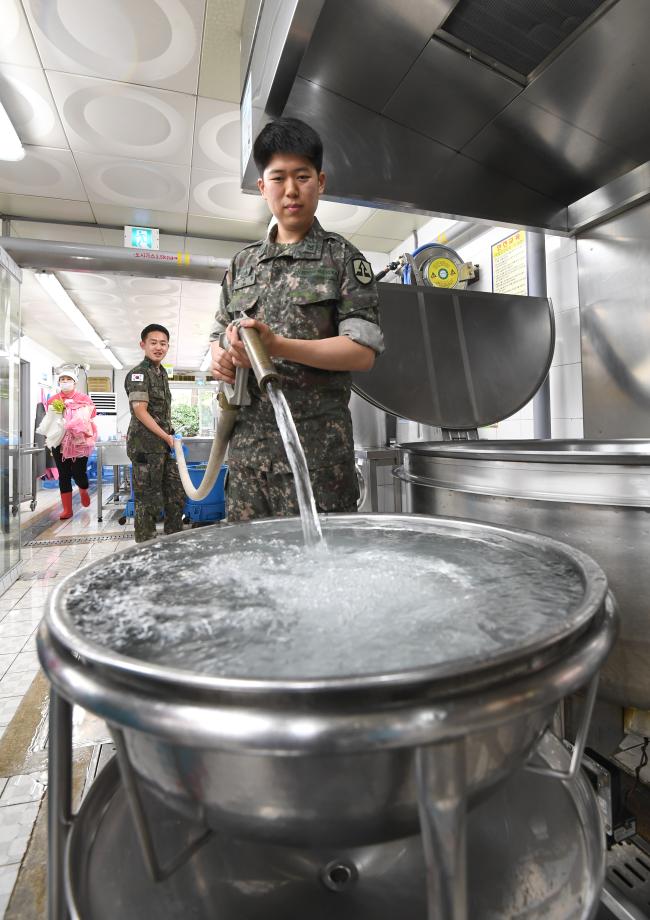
(156, 481)
(314, 289)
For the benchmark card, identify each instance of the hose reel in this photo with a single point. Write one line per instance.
(439, 266)
(433, 265)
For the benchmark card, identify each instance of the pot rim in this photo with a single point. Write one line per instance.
(527, 657)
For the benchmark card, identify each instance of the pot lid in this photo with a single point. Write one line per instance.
(458, 359)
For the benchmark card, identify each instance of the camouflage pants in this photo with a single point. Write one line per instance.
(252, 493)
(157, 486)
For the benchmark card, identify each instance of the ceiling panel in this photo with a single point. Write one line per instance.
(134, 183)
(220, 249)
(102, 116)
(46, 208)
(342, 218)
(66, 233)
(393, 224)
(242, 230)
(45, 172)
(374, 243)
(16, 42)
(215, 195)
(219, 75)
(218, 136)
(123, 216)
(153, 42)
(44, 322)
(26, 96)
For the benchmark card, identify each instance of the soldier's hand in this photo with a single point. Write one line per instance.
(170, 440)
(269, 339)
(236, 349)
(222, 366)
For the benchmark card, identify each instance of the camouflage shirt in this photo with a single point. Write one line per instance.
(144, 384)
(314, 289)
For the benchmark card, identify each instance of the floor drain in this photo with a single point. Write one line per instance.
(70, 541)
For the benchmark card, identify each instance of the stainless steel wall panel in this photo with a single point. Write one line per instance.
(614, 284)
(362, 49)
(391, 103)
(487, 194)
(367, 157)
(627, 191)
(372, 159)
(601, 82)
(544, 152)
(426, 101)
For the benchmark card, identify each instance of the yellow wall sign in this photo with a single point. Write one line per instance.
(509, 265)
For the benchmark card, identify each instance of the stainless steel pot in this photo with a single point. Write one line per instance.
(535, 852)
(291, 760)
(595, 495)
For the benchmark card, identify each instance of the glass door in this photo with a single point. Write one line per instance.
(9, 414)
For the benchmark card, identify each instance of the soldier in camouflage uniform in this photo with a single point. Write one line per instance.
(156, 481)
(313, 298)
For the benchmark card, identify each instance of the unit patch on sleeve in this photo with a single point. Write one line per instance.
(139, 377)
(362, 270)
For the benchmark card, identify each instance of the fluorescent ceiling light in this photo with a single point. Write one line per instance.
(10, 145)
(52, 285)
(205, 364)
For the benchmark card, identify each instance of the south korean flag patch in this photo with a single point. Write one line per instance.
(362, 270)
(137, 378)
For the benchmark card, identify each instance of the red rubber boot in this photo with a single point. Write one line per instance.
(85, 497)
(66, 501)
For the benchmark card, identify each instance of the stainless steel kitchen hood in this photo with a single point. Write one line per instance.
(413, 117)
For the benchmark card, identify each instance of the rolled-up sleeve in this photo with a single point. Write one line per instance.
(363, 332)
(358, 309)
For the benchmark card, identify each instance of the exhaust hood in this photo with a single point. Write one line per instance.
(500, 110)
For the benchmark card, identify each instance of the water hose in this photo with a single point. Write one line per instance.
(265, 373)
(225, 423)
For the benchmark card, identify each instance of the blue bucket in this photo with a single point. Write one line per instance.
(213, 506)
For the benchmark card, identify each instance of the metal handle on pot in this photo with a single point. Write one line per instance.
(580, 742)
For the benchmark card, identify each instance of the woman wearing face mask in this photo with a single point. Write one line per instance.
(79, 438)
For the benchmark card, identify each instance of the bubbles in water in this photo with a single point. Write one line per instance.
(253, 602)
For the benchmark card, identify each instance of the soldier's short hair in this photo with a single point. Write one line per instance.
(153, 327)
(287, 135)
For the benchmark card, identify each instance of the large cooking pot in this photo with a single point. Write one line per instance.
(594, 495)
(277, 716)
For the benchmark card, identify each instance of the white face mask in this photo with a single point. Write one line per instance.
(67, 387)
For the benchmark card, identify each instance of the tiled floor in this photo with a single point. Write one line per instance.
(21, 608)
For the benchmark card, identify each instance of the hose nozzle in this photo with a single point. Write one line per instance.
(262, 366)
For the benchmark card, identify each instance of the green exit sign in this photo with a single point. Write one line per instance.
(141, 238)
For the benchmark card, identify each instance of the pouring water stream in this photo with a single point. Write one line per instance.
(311, 528)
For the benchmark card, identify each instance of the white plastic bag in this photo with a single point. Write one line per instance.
(53, 427)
